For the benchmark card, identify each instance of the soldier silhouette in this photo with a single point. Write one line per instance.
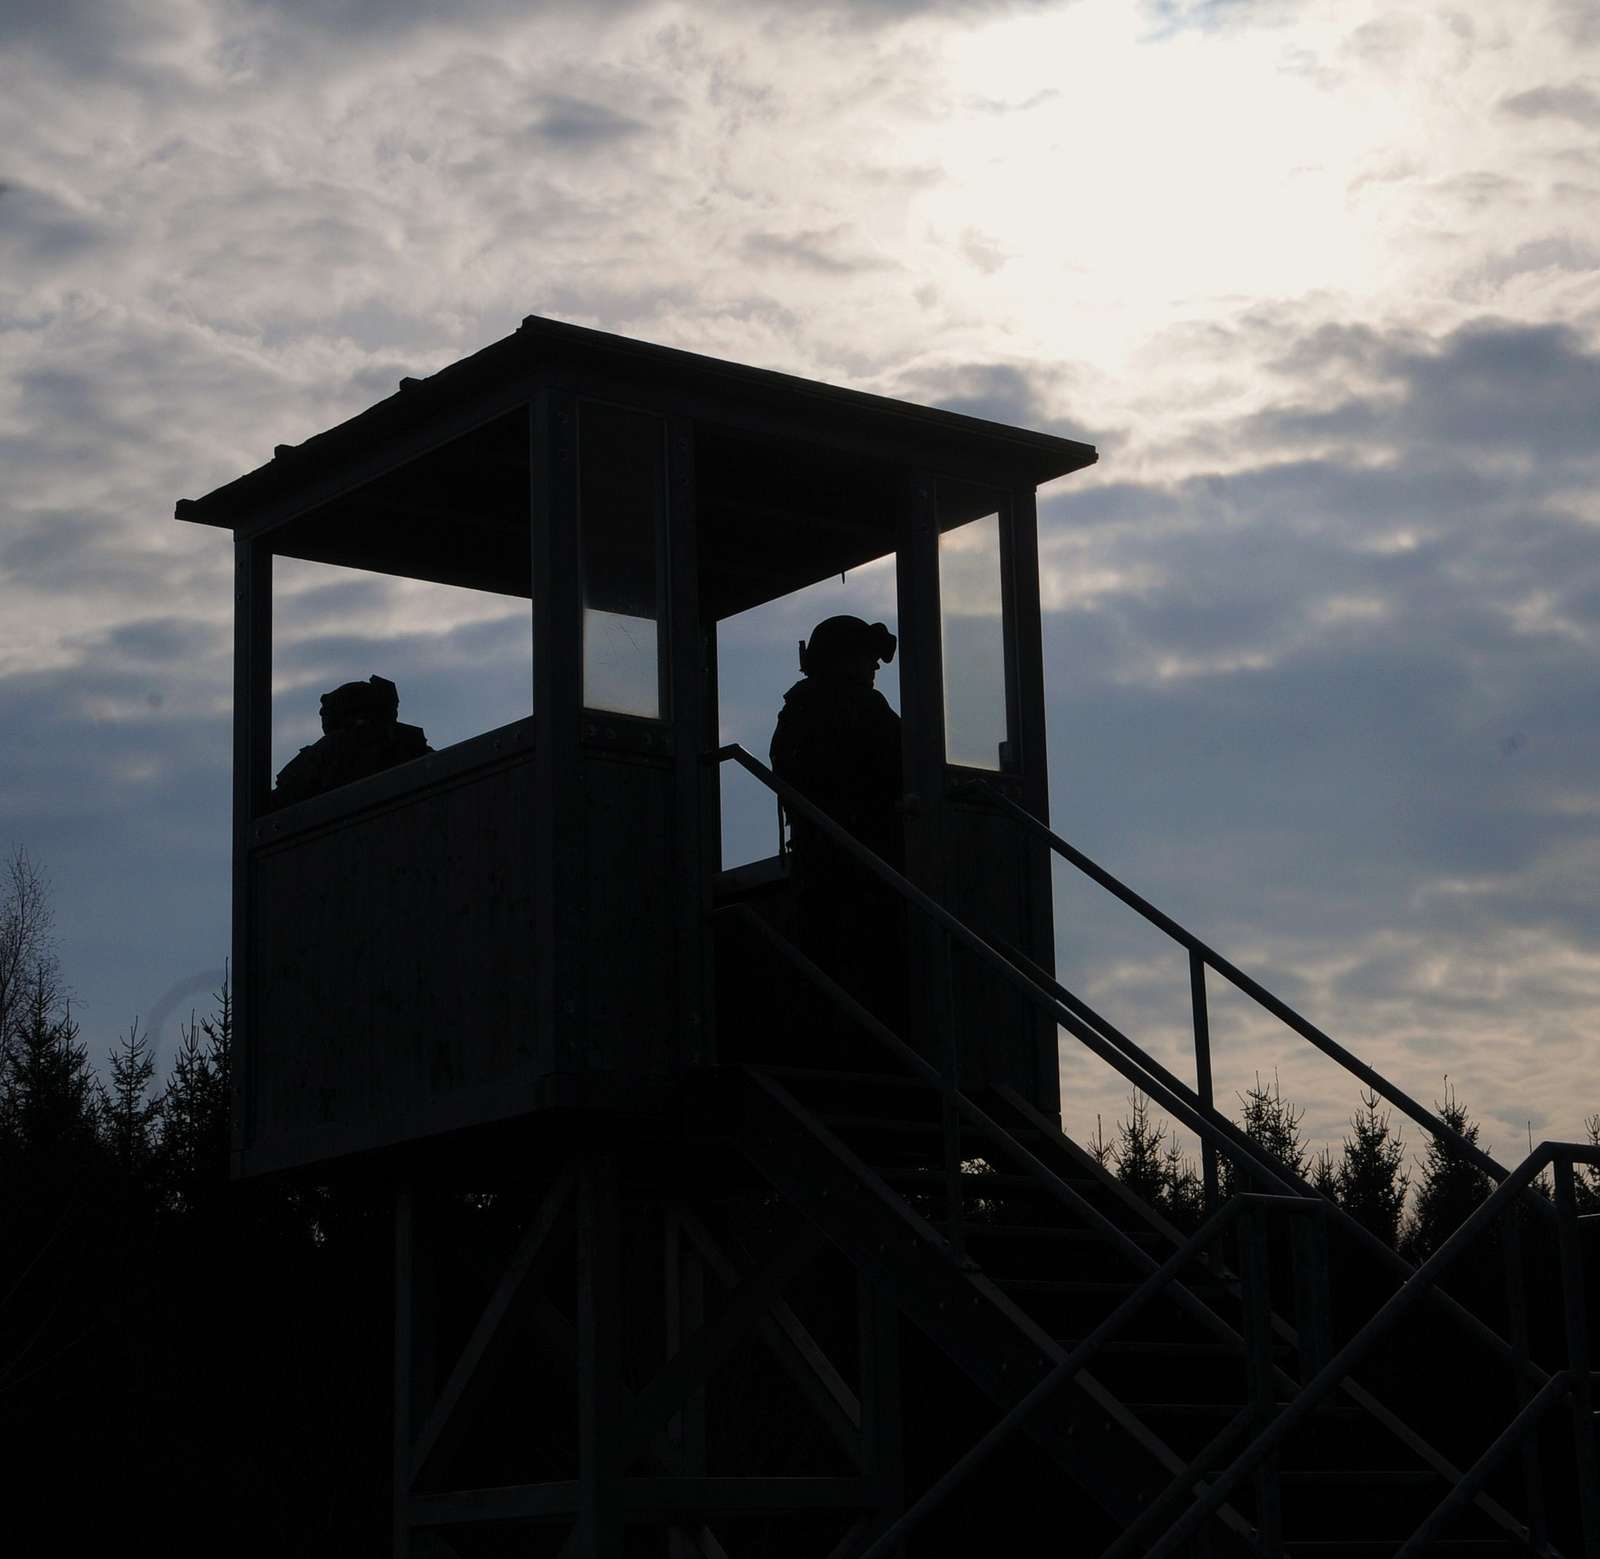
(361, 735)
(838, 743)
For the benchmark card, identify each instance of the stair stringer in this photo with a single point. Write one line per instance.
(1053, 1139)
(994, 1343)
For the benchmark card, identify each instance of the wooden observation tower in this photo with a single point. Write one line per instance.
(784, 1280)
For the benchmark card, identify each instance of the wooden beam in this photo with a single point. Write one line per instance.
(684, 701)
(474, 1370)
(518, 1502)
(796, 1350)
(709, 1346)
(403, 1379)
(640, 1498)
(882, 1425)
(683, 1298)
(252, 761)
(600, 1440)
(664, 1496)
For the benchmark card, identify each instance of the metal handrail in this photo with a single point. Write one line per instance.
(1125, 1057)
(1422, 1282)
(1079, 1359)
(1018, 978)
(980, 1119)
(1207, 957)
(1102, 1039)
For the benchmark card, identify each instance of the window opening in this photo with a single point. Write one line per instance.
(757, 663)
(459, 660)
(622, 511)
(977, 726)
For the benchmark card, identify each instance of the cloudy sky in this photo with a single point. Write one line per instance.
(1318, 277)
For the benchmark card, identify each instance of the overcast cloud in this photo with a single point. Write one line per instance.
(1318, 278)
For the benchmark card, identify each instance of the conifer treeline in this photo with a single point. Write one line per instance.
(159, 1383)
(1371, 1177)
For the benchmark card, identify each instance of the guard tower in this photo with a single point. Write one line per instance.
(519, 923)
(743, 1294)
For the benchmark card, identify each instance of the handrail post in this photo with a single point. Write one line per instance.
(1522, 1390)
(1202, 1068)
(950, 1118)
(1313, 1302)
(1255, 1269)
(1577, 1317)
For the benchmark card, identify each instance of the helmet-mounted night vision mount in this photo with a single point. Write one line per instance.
(837, 641)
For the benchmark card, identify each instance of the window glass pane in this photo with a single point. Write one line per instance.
(973, 629)
(621, 506)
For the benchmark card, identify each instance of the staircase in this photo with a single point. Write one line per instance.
(1276, 1384)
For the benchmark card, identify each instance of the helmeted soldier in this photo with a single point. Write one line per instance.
(838, 743)
(361, 735)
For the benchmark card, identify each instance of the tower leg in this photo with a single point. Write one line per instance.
(415, 1378)
(881, 1426)
(598, 1534)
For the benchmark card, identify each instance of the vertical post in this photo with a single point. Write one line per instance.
(950, 1117)
(404, 1366)
(252, 761)
(1202, 1068)
(684, 670)
(599, 1529)
(1020, 553)
(1255, 1270)
(1312, 1301)
(1521, 1388)
(1578, 1362)
(882, 1432)
(559, 818)
(685, 1306)
(922, 734)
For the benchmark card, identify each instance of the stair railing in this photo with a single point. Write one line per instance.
(1141, 1070)
(1312, 1340)
(1202, 958)
(1103, 1040)
(1573, 1384)
(1249, 1212)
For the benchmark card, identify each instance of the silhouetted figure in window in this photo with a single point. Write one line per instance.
(361, 735)
(838, 743)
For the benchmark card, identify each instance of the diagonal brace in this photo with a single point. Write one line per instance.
(706, 1348)
(474, 1369)
(795, 1348)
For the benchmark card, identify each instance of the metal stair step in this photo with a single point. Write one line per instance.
(1111, 1287)
(993, 1182)
(1387, 1548)
(1341, 1411)
(897, 1125)
(898, 1081)
(1160, 1347)
(1065, 1234)
(1395, 1476)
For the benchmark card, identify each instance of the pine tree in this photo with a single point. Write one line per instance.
(130, 1113)
(1587, 1176)
(1370, 1183)
(27, 957)
(195, 1115)
(52, 1100)
(1451, 1187)
(1137, 1154)
(1099, 1148)
(1272, 1123)
(52, 1199)
(1324, 1177)
(1183, 1193)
